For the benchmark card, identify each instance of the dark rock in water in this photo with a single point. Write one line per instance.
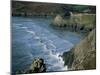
(68, 58)
(82, 28)
(37, 66)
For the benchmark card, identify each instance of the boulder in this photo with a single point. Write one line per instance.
(58, 21)
(37, 66)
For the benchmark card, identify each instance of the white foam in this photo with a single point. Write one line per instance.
(31, 32)
(24, 27)
(60, 63)
(50, 41)
(65, 68)
(48, 45)
(17, 24)
(44, 47)
(52, 46)
(36, 37)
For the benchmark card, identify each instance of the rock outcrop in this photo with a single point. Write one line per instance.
(83, 55)
(37, 66)
(58, 21)
(76, 22)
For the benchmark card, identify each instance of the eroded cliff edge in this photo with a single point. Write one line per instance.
(83, 55)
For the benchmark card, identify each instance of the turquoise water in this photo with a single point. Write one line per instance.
(33, 37)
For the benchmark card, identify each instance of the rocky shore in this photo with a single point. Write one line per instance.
(66, 16)
(76, 22)
(83, 55)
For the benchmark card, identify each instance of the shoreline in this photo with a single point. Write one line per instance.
(74, 56)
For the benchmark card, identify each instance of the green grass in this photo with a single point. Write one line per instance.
(89, 20)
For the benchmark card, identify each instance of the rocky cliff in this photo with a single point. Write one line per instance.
(80, 22)
(83, 55)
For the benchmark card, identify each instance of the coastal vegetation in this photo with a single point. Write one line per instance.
(81, 22)
(83, 55)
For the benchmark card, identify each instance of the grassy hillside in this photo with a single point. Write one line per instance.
(81, 22)
(83, 55)
(86, 19)
(35, 8)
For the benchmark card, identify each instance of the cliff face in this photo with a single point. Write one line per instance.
(58, 21)
(83, 55)
(80, 22)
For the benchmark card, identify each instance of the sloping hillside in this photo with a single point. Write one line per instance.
(35, 8)
(25, 8)
(83, 55)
